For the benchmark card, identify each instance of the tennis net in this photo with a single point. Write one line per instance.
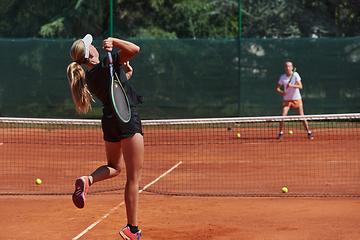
(208, 157)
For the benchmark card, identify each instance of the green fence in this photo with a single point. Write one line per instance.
(189, 78)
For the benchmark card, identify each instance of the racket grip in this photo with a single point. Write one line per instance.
(109, 57)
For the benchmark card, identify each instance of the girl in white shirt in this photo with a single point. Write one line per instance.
(292, 96)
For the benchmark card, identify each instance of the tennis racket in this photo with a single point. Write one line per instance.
(291, 77)
(119, 99)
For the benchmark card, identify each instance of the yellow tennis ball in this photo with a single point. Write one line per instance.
(284, 190)
(38, 181)
(290, 132)
(238, 135)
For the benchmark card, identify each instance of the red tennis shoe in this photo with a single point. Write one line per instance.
(81, 189)
(128, 235)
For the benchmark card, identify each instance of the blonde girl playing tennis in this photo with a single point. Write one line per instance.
(123, 142)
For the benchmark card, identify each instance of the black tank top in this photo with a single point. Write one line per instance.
(98, 80)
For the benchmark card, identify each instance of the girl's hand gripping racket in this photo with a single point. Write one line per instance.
(119, 100)
(291, 78)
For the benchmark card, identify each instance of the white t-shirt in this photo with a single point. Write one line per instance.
(290, 93)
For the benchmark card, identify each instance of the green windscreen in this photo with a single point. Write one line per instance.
(189, 78)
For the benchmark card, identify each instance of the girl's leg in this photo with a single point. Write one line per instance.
(112, 169)
(284, 112)
(133, 151)
(115, 164)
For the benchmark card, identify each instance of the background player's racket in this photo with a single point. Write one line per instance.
(291, 77)
(120, 102)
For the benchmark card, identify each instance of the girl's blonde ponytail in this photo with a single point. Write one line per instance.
(76, 76)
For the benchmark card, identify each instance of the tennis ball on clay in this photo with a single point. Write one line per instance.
(238, 135)
(38, 181)
(284, 190)
(290, 132)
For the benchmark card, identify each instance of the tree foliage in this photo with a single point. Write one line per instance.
(173, 19)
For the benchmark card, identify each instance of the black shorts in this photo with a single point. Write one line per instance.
(115, 131)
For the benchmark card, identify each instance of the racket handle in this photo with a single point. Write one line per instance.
(109, 57)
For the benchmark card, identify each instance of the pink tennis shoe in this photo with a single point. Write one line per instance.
(128, 235)
(81, 189)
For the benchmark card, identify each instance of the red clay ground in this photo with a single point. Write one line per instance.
(214, 161)
(169, 217)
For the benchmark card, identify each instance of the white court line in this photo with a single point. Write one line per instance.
(122, 203)
(1, 144)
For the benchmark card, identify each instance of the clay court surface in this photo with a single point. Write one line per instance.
(212, 162)
(172, 217)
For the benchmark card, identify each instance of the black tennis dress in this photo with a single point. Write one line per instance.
(98, 81)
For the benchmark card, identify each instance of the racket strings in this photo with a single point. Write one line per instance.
(120, 100)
